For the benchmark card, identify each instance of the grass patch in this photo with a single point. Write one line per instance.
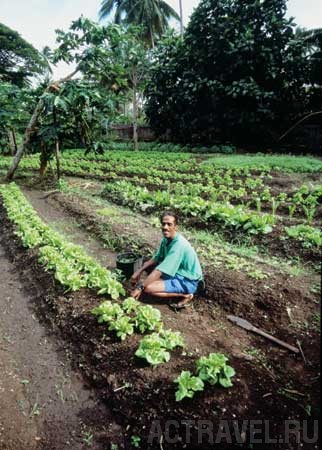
(286, 163)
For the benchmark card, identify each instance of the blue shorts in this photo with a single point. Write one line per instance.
(179, 284)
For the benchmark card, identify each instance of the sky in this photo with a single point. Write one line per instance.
(36, 20)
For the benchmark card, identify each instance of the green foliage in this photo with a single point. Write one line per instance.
(74, 115)
(313, 53)
(171, 339)
(147, 318)
(123, 327)
(188, 385)
(15, 104)
(260, 161)
(213, 369)
(113, 56)
(135, 441)
(155, 347)
(19, 60)
(236, 217)
(71, 266)
(240, 80)
(151, 348)
(309, 236)
(107, 312)
(130, 305)
(152, 15)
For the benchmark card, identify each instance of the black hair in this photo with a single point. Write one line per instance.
(171, 214)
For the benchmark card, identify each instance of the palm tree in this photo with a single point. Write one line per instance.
(154, 15)
(313, 41)
(181, 17)
(107, 7)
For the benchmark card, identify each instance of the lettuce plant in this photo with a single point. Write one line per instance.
(187, 385)
(213, 369)
(171, 339)
(148, 318)
(154, 347)
(107, 311)
(310, 236)
(71, 265)
(151, 348)
(130, 304)
(123, 327)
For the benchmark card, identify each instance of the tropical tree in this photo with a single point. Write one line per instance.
(72, 116)
(130, 54)
(313, 41)
(312, 55)
(152, 15)
(96, 51)
(15, 104)
(237, 75)
(19, 60)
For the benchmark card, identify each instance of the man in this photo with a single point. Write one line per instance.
(177, 269)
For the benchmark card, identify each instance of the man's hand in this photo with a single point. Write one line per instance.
(135, 277)
(136, 293)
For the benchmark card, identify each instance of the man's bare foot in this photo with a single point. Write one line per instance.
(187, 299)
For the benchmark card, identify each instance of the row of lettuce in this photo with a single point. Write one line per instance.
(232, 198)
(179, 177)
(224, 214)
(137, 163)
(74, 269)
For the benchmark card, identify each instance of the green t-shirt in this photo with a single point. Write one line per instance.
(178, 257)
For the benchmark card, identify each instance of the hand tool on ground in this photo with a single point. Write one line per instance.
(249, 327)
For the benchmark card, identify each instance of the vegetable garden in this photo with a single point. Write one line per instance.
(254, 221)
(83, 364)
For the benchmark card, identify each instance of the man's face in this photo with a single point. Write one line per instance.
(169, 227)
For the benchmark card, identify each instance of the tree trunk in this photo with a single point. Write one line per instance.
(26, 139)
(151, 38)
(43, 160)
(57, 159)
(12, 143)
(181, 17)
(135, 112)
(31, 125)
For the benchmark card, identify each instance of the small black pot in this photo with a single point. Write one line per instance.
(128, 263)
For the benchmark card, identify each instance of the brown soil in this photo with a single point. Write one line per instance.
(44, 403)
(270, 383)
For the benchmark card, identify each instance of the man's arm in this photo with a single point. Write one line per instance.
(136, 276)
(154, 276)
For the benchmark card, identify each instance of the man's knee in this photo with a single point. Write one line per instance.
(155, 286)
(149, 288)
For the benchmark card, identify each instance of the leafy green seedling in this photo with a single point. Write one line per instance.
(107, 311)
(188, 385)
(151, 348)
(130, 304)
(214, 369)
(148, 318)
(123, 327)
(171, 339)
(135, 441)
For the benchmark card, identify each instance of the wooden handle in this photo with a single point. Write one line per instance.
(274, 339)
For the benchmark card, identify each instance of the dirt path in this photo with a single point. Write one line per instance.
(43, 402)
(67, 225)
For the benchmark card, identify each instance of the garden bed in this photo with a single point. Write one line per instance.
(264, 372)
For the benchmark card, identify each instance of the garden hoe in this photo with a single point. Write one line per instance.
(249, 327)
